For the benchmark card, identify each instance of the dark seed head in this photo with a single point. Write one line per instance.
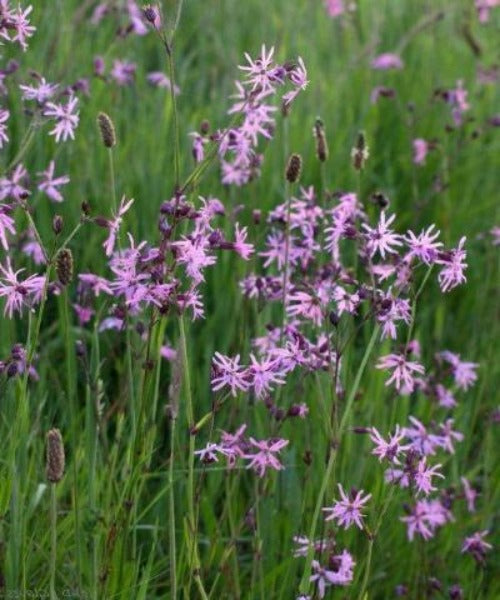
(64, 266)
(57, 224)
(293, 168)
(55, 456)
(107, 130)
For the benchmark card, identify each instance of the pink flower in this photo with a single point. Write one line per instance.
(470, 495)
(340, 573)
(476, 545)
(464, 373)
(483, 8)
(421, 441)
(348, 510)
(50, 185)
(228, 372)
(240, 244)
(265, 458)
(159, 79)
(387, 61)
(7, 225)
(20, 24)
(445, 397)
(265, 374)
(423, 476)
(420, 149)
(4, 116)
(66, 117)
(388, 450)
(335, 8)
(261, 72)
(10, 187)
(425, 517)
(382, 239)
(41, 93)
(403, 370)
(424, 247)
(123, 72)
(114, 225)
(19, 293)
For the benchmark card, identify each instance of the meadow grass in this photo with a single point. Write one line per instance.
(138, 516)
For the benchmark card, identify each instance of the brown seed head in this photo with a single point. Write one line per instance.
(293, 168)
(55, 456)
(64, 266)
(107, 130)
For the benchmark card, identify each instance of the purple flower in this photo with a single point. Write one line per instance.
(454, 265)
(420, 440)
(41, 93)
(388, 450)
(114, 225)
(444, 396)
(382, 239)
(425, 517)
(11, 187)
(470, 495)
(476, 545)
(20, 25)
(347, 510)
(339, 573)
(423, 476)
(209, 453)
(50, 185)
(66, 117)
(483, 8)
(261, 72)
(424, 247)
(159, 79)
(123, 72)
(7, 225)
(33, 249)
(464, 373)
(228, 372)
(265, 458)
(19, 293)
(387, 61)
(264, 374)
(403, 370)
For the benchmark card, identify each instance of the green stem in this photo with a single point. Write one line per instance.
(53, 540)
(305, 584)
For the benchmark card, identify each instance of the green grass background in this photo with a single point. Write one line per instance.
(113, 540)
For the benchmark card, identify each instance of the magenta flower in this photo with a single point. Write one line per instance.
(198, 147)
(387, 61)
(403, 370)
(447, 436)
(298, 76)
(50, 185)
(420, 149)
(476, 546)
(347, 510)
(66, 117)
(457, 97)
(445, 397)
(240, 245)
(381, 239)
(335, 8)
(228, 372)
(483, 8)
(265, 458)
(19, 293)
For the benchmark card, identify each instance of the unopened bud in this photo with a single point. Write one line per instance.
(321, 143)
(57, 224)
(360, 152)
